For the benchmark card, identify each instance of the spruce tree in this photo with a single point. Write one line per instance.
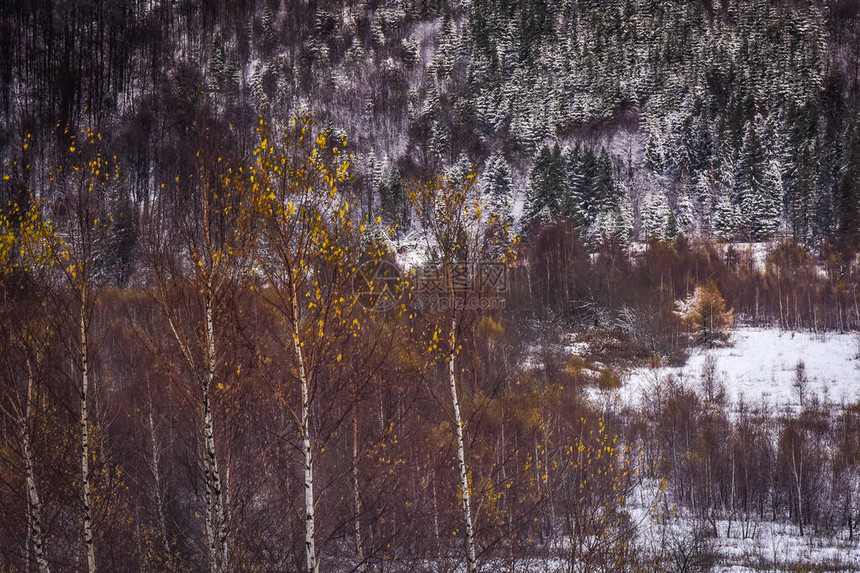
(577, 186)
(585, 193)
(849, 191)
(800, 177)
(724, 219)
(605, 190)
(767, 205)
(395, 205)
(749, 182)
(496, 188)
(672, 229)
(547, 186)
(655, 216)
(497, 180)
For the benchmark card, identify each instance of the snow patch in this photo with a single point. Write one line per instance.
(760, 366)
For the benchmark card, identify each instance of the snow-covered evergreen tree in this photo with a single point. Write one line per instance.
(496, 186)
(547, 194)
(749, 183)
(725, 219)
(497, 180)
(656, 215)
(767, 205)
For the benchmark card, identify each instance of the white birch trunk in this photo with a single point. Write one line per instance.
(436, 532)
(356, 494)
(216, 524)
(311, 564)
(471, 563)
(34, 505)
(225, 518)
(85, 443)
(154, 468)
(798, 476)
(208, 516)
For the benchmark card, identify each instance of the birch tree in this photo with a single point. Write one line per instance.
(456, 228)
(305, 264)
(65, 233)
(25, 336)
(195, 284)
(77, 245)
(20, 403)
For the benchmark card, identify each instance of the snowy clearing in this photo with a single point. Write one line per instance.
(760, 367)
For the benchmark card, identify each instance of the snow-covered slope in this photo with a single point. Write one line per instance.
(760, 367)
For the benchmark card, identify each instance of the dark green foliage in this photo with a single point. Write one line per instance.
(722, 92)
(393, 197)
(548, 193)
(849, 193)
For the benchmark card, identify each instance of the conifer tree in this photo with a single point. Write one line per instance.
(705, 312)
(749, 180)
(605, 190)
(547, 187)
(394, 203)
(656, 216)
(767, 204)
(577, 185)
(497, 181)
(672, 229)
(724, 220)
(849, 191)
(589, 182)
(800, 176)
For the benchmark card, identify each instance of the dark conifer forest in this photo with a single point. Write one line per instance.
(429, 285)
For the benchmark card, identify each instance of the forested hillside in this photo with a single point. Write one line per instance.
(365, 286)
(737, 119)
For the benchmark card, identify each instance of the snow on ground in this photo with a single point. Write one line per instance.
(745, 543)
(755, 252)
(779, 546)
(760, 366)
(749, 546)
(410, 251)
